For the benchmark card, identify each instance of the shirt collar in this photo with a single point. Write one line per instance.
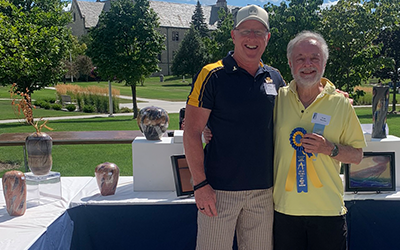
(231, 65)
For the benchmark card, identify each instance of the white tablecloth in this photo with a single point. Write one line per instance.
(125, 195)
(21, 232)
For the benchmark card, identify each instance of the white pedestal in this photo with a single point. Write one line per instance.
(43, 189)
(389, 144)
(152, 167)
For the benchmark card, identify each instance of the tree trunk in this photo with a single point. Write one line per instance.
(135, 108)
(394, 96)
(395, 79)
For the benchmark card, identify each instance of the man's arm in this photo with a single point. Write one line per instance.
(314, 143)
(195, 120)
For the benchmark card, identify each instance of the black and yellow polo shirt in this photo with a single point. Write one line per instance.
(240, 154)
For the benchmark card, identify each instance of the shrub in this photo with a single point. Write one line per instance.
(46, 105)
(89, 109)
(70, 107)
(56, 106)
(50, 100)
(126, 110)
(39, 103)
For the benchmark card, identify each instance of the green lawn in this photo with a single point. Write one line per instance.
(172, 89)
(80, 160)
(393, 120)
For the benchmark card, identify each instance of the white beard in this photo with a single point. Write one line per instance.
(307, 82)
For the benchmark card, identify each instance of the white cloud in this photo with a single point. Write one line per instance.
(68, 7)
(328, 4)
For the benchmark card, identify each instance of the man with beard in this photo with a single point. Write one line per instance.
(316, 128)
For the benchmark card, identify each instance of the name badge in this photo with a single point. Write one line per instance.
(321, 119)
(270, 89)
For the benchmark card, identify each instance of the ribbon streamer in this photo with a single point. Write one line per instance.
(301, 164)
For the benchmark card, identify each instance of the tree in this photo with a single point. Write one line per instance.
(285, 22)
(191, 55)
(71, 66)
(390, 40)
(33, 41)
(84, 66)
(125, 44)
(220, 41)
(198, 21)
(350, 27)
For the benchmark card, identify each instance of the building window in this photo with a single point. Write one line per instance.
(175, 36)
(74, 17)
(159, 57)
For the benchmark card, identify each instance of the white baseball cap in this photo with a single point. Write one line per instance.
(252, 12)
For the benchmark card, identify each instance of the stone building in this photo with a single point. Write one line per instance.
(174, 21)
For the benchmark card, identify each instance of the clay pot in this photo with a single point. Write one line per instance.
(107, 175)
(153, 122)
(38, 146)
(14, 188)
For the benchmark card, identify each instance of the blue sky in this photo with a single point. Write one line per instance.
(233, 2)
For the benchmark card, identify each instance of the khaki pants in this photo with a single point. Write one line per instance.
(250, 213)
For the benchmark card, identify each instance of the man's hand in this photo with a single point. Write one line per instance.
(345, 95)
(315, 143)
(207, 135)
(205, 200)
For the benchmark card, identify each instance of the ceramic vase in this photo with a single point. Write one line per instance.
(107, 175)
(153, 122)
(380, 104)
(38, 146)
(14, 188)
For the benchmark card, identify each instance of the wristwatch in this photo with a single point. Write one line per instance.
(335, 150)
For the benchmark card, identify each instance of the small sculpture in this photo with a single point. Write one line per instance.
(107, 175)
(380, 104)
(153, 122)
(14, 188)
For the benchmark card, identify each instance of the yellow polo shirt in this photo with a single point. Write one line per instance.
(344, 128)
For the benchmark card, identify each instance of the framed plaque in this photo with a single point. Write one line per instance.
(182, 176)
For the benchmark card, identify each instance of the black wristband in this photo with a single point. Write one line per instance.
(200, 185)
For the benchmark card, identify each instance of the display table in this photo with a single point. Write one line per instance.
(159, 220)
(128, 219)
(32, 229)
(83, 219)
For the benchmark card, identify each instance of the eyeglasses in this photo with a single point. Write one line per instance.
(257, 33)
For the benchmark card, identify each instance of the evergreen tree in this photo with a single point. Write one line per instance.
(220, 41)
(191, 55)
(198, 21)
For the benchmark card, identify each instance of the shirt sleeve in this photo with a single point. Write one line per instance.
(352, 135)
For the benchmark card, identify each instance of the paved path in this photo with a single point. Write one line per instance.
(170, 107)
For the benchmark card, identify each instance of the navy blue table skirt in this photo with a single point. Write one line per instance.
(372, 224)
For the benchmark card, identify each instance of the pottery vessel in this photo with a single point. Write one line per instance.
(14, 188)
(153, 122)
(38, 146)
(107, 175)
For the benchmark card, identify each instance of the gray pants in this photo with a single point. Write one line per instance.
(250, 213)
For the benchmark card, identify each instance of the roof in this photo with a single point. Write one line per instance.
(91, 12)
(170, 14)
(178, 14)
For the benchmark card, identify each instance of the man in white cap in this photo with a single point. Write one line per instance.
(233, 176)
